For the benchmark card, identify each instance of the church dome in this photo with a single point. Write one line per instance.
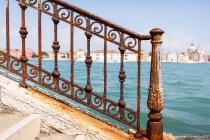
(192, 48)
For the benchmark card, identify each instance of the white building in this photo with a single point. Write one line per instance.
(112, 56)
(97, 56)
(61, 55)
(79, 55)
(164, 56)
(183, 58)
(130, 57)
(172, 57)
(196, 54)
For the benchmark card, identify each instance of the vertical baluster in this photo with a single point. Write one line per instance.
(56, 48)
(105, 65)
(72, 52)
(122, 76)
(39, 41)
(155, 97)
(23, 32)
(138, 134)
(7, 34)
(88, 62)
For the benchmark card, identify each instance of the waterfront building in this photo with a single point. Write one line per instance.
(144, 56)
(171, 57)
(64, 55)
(112, 56)
(97, 55)
(183, 57)
(206, 58)
(196, 54)
(29, 53)
(115, 56)
(51, 55)
(164, 56)
(17, 53)
(79, 55)
(61, 55)
(131, 57)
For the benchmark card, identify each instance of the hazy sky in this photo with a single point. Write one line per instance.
(184, 22)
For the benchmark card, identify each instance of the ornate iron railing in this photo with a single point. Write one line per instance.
(108, 32)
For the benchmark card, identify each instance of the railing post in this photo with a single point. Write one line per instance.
(23, 32)
(39, 40)
(155, 97)
(88, 62)
(7, 33)
(122, 76)
(138, 133)
(55, 48)
(72, 53)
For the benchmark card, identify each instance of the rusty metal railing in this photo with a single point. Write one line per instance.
(108, 32)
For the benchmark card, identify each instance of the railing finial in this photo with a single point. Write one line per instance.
(155, 97)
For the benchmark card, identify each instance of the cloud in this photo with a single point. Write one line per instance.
(173, 41)
(176, 41)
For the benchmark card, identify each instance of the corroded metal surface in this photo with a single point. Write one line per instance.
(155, 97)
(7, 31)
(23, 32)
(92, 25)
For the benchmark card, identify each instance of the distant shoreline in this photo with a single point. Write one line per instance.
(64, 59)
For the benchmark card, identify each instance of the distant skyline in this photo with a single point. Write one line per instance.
(184, 22)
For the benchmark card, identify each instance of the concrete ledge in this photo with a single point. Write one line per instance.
(26, 129)
(192, 137)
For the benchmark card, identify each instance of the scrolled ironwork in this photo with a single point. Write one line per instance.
(2, 58)
(64, 87)
(96, 29)
(64, 13)
(80, 92)
(131, 117)
(98, 101)
(46, 5)
(78, 20)
(33, 73)
(130, 42)
(16, 63)
(32, 2)
(48, 78)
(113, 108)
(112, 34)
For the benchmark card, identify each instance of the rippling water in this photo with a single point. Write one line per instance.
(186, 91)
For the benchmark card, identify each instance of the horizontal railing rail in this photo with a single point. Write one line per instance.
(96, 26)
(108, 32)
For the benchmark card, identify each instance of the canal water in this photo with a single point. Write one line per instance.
(186, 89)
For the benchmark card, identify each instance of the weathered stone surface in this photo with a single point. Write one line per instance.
(56, 116)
